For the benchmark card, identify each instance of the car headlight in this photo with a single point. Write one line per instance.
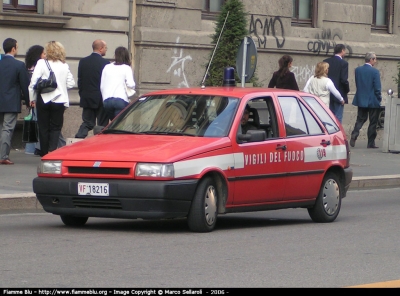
(154, 170)
(50, 167)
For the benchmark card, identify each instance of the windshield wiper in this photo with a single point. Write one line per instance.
(115, 131)
(167, 133)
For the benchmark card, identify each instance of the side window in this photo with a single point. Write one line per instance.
(312, 124)
(259, 114)
(328, 122)
(292, 114)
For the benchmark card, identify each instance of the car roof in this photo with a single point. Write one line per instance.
(238, 92)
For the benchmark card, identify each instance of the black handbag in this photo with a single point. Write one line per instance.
(30, 131)
(46, 85)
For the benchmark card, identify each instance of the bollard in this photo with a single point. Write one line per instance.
(386, 127)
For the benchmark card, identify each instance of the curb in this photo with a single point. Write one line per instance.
(28, 200)
(373, 182)
(19, 201)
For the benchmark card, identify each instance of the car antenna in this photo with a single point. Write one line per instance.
(215, 49)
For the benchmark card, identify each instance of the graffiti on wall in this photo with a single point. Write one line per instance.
(303, 73)
(326, 41)
(178, 65)
(269, 27)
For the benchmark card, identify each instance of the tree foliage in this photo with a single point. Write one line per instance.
(231, 38)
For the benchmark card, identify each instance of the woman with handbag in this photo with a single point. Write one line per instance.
(117, 83)
(34, 53)
(51, 102)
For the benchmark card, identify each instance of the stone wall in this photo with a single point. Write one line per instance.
(170, 40)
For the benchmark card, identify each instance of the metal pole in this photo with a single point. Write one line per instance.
(244, 62)
(386, 126)
(215, 49)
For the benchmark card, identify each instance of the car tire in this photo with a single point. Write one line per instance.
(329, 200)
(73, 220)
(203, 211)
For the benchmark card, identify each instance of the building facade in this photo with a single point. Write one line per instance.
(170, 39)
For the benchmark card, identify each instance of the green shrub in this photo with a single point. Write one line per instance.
(396, 79)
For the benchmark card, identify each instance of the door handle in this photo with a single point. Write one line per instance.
(325, 143)
(281, 147)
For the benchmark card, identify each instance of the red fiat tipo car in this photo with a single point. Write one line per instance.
(199, 153)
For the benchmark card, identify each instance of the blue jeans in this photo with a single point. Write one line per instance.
(113, 106)
(337, 109)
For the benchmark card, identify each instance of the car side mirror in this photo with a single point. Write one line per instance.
(252, 136)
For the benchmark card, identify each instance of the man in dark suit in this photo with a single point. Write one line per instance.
(14, 82)
(368, 98)
(338, 73)
(89, 76)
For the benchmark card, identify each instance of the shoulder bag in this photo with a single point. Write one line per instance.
(46, 85)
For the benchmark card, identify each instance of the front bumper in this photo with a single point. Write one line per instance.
(128, 198)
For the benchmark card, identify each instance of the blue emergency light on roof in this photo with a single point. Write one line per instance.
(229, 77)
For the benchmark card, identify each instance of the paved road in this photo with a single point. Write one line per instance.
(371, 168)
(264, 249)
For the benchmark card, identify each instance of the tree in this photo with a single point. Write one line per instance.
(233, 34)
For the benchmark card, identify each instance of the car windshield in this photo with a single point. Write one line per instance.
(178, 115)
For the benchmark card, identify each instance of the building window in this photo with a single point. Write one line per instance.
(212, 5)
(382, 15)
(305, 13)
(211, 8)
(20, 5)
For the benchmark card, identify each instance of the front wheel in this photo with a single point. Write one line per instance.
(203, 212)
(74, 221)
(327, 205)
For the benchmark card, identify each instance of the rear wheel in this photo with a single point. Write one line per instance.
(73, 220)
(327, 205)
(203, 212)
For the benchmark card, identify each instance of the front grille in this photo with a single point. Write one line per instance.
(97, 203)
(98, 171)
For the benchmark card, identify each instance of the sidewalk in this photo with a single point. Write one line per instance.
(371, 169)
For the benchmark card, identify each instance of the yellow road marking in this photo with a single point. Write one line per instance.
(390, 284)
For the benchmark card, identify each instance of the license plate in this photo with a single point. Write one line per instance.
(96, 189)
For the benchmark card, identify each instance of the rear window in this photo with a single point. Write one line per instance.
(325, 118)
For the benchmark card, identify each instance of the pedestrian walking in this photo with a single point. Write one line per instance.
(51, 106)
(13, 88)
(283, 78)
(116, 77)
(368, 99)
(89, 75)
(321, 86)
(338, 73)
(34, 53)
